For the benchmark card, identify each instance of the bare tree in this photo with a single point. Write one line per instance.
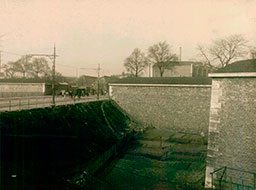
(253, 53)
(135, 63)
(23, 65)
(223, 51)
(9, 69)
(160, 55)
(207, 59)
(39, 66)
(59, 77)
(228, 49)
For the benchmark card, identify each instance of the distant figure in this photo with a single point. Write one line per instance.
(71, 93)
(63, 93)
(79, 94)
(202, 135)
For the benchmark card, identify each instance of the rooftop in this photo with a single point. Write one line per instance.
(248, 65)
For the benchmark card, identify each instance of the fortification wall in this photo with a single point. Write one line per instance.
(21, 89)
(232, 127)
(179, 107)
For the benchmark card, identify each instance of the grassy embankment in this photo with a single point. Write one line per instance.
(42, 148)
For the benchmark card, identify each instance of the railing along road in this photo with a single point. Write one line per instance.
(20, 103)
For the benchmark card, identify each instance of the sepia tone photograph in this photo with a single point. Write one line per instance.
(127, 94)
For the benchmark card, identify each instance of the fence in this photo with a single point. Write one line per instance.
(19, 103)
(231, 178)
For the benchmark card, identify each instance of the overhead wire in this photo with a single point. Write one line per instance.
(66, 65)
(11, 53)
(69, 66)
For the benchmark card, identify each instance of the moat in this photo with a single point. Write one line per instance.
(157, 159)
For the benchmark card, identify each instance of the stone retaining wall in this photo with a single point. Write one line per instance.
(179, 107)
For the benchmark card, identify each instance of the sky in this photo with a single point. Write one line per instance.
(105, 32)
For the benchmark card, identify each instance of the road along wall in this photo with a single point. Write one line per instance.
(21, 89)
(180, 107)
(232, 129)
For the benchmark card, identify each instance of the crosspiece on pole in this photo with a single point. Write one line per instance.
(38, 55)
(43, 55)
(89, 68)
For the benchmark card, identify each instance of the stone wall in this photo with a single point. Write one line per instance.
(21, 89)
(232, 126)
(182, 108)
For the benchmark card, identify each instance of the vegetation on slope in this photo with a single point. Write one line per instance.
(40, 146)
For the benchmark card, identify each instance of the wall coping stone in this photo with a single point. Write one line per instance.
(162, 85)
(229, 75)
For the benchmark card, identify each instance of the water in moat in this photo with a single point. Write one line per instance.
(157, 159)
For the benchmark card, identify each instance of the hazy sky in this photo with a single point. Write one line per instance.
(88, 32)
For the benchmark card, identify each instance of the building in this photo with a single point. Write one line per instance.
(183, 69)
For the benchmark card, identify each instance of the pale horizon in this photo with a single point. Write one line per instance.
(88, 33)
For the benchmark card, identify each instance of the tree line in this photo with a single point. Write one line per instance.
(27, 67)
(220, 53)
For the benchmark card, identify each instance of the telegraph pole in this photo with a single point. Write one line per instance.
(26, 62)
(77, 73)
(53, 76)
(1, 55)
(53, 59)
(0, 62)
(149, 70)
(180, 53)
(98, 91)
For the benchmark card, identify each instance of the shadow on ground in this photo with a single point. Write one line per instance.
(157, 159)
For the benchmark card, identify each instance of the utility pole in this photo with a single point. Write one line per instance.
(1, 55)
(150, 68)
(0, 62)
(98, 91)
(53, 59)
(180, 53)
(53, 76)
(26, 62)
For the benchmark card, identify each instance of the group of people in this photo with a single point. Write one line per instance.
(77, 93)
